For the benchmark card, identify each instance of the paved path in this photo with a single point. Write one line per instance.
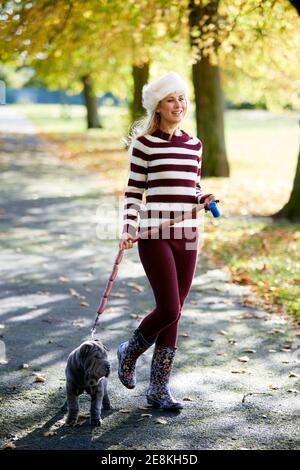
(50, 243)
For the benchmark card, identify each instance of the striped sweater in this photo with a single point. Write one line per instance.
(168, 171)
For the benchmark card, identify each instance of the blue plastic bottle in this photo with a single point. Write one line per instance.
(214, 208)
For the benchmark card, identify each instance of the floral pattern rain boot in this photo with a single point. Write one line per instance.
(128, 354)
(158, 394)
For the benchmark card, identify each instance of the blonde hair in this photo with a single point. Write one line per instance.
(146, 125)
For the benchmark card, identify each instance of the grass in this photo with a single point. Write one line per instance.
(260, 253)
(262, 150)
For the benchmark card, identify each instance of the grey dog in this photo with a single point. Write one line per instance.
(87, 370)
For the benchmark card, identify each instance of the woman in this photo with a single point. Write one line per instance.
(165, 161)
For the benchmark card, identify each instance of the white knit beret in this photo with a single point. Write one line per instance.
(156, 90)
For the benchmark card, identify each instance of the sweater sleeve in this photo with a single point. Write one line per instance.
(200, 195)
(137, 183)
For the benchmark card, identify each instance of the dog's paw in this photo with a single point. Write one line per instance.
(71, 421)
(96, 422)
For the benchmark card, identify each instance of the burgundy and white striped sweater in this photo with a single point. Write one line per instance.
(169, 174)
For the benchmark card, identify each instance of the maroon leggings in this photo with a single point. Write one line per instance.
(170, 266)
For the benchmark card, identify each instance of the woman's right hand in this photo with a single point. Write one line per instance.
(126, 241)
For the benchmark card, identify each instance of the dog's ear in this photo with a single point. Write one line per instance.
(85, 349)
(102, 344)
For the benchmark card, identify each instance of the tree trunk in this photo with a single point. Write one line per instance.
(140, 78)
(90, 100)
(291, 210)
(209, 99)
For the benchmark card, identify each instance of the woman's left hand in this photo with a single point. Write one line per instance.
(209, 199)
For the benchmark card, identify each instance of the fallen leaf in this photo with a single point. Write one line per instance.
(160, 421)
(24, 366)
(125, 411)
(243, 359)
(250, 351)
(64, 279)
(146, 415)
(187, 399)
(294, 375)
(246, 316)
(49, 433)
(84, 304)
(74, 293)
(223, 333)
(136, 287)
(242, 278)
(185, 335)
(9, 445)
(285, 349)
(144, 408)
(273, 387)
(39, 378)
(238, 371)
(221, 353)
(118, 294)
